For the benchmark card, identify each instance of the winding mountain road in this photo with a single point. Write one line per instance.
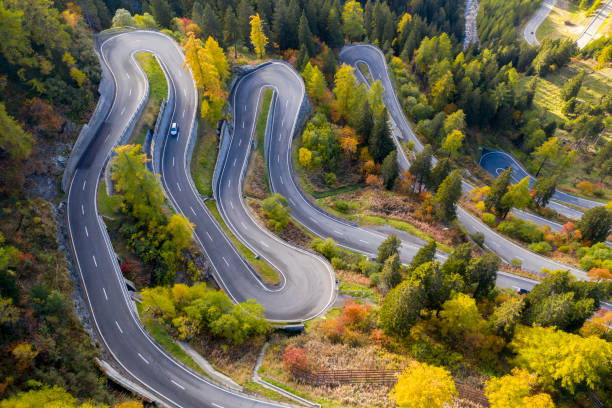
(529, 33)
(307, 286)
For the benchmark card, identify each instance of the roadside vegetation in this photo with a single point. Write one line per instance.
(158, 90)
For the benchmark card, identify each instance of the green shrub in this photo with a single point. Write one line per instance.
(369, 268)
(566, 249)
(338, 263)
(328, 247)
(478, 238)
(341, 206)
(597, 256)
(541, 247)
(330, 178)
(488, 219)
(522, 230)
(517, 263)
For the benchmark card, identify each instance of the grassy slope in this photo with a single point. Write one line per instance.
(260, 129)
(158, 89)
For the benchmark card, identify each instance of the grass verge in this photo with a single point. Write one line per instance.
(265, 271)
(158, 89)
(204, 158)
(260, 130)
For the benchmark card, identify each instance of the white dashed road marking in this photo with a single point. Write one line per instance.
(177, 384)
(143, 359)
(191, 208)
(84, 183)
(86, 232)
(209, 237)
(82, 209)
(225, 260)
(105, 295)
(95, 262)
(119, 327)
(179, 186)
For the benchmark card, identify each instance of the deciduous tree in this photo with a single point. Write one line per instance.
(388, 248)
(516, 390)
(258, 38)
(276, 210)
(352, 21)
(424, 386)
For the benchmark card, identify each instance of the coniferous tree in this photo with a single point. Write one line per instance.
(334, 28)
(280, 25)
(305, 36)
(390, 169)
(211, 26)
(365, 120)
(447, 196)
(498, 189)
(421, 166)
(197, 11)
(302, 58)
(380, 143)
(425, 254)
(162, 12)
(265, 9)
(245, 11)
(388, 248)
(230, 32)
(438, 173)
(544, 188)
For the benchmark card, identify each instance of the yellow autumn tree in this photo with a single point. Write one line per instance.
(516, 391)
(210, 68)
(424, 386)
(258, 38)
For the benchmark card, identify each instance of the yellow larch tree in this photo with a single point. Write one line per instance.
(258, 38)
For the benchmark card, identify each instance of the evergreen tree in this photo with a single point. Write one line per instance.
(425, 254)
(303, 58)
(390, 169)
(498, 189)
(243, 29)
(230, 32)
(438, 173)
(162, 12)
(280, 25)
(482, 273)
(544, 188)
(329, 63)
(391, 274)
(401, 308)
(265, 10)
(380, 143)
(447, 196)
(365, 120)
(458, 261)
(421, 166)
(388, 248)
(334, 28)
(294, 12)
(305, 36)
(210, 24)
(595, 224)
(197, 11)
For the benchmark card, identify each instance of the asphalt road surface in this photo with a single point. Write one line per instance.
(538, 18)
(591, 30)
(497, 161)
(111, 309)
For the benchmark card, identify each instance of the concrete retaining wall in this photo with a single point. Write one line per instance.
(106, 90)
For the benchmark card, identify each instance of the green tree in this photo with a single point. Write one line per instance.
(595, 224)
(482, 273)
(123, 18)
(364, 122)
(388, 248)
(421, 166)
(426, 254)
(334, 28)
(244, 12)
(375, 98)
(391, 274)
(562, 360)
(276, 210)
(329, 62)
(458, 261)
(305, 36)
(352, 21)
(460, 317)
(401, 308)
(517, 196)
(572, 87)
(13, 139)
(211, 26)
(438, 173)
(447, 196)
(231, 31)
(162, 12)
(437, 284)
(389, 169)
(544, 188)
(498, 189)
(454, 121)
